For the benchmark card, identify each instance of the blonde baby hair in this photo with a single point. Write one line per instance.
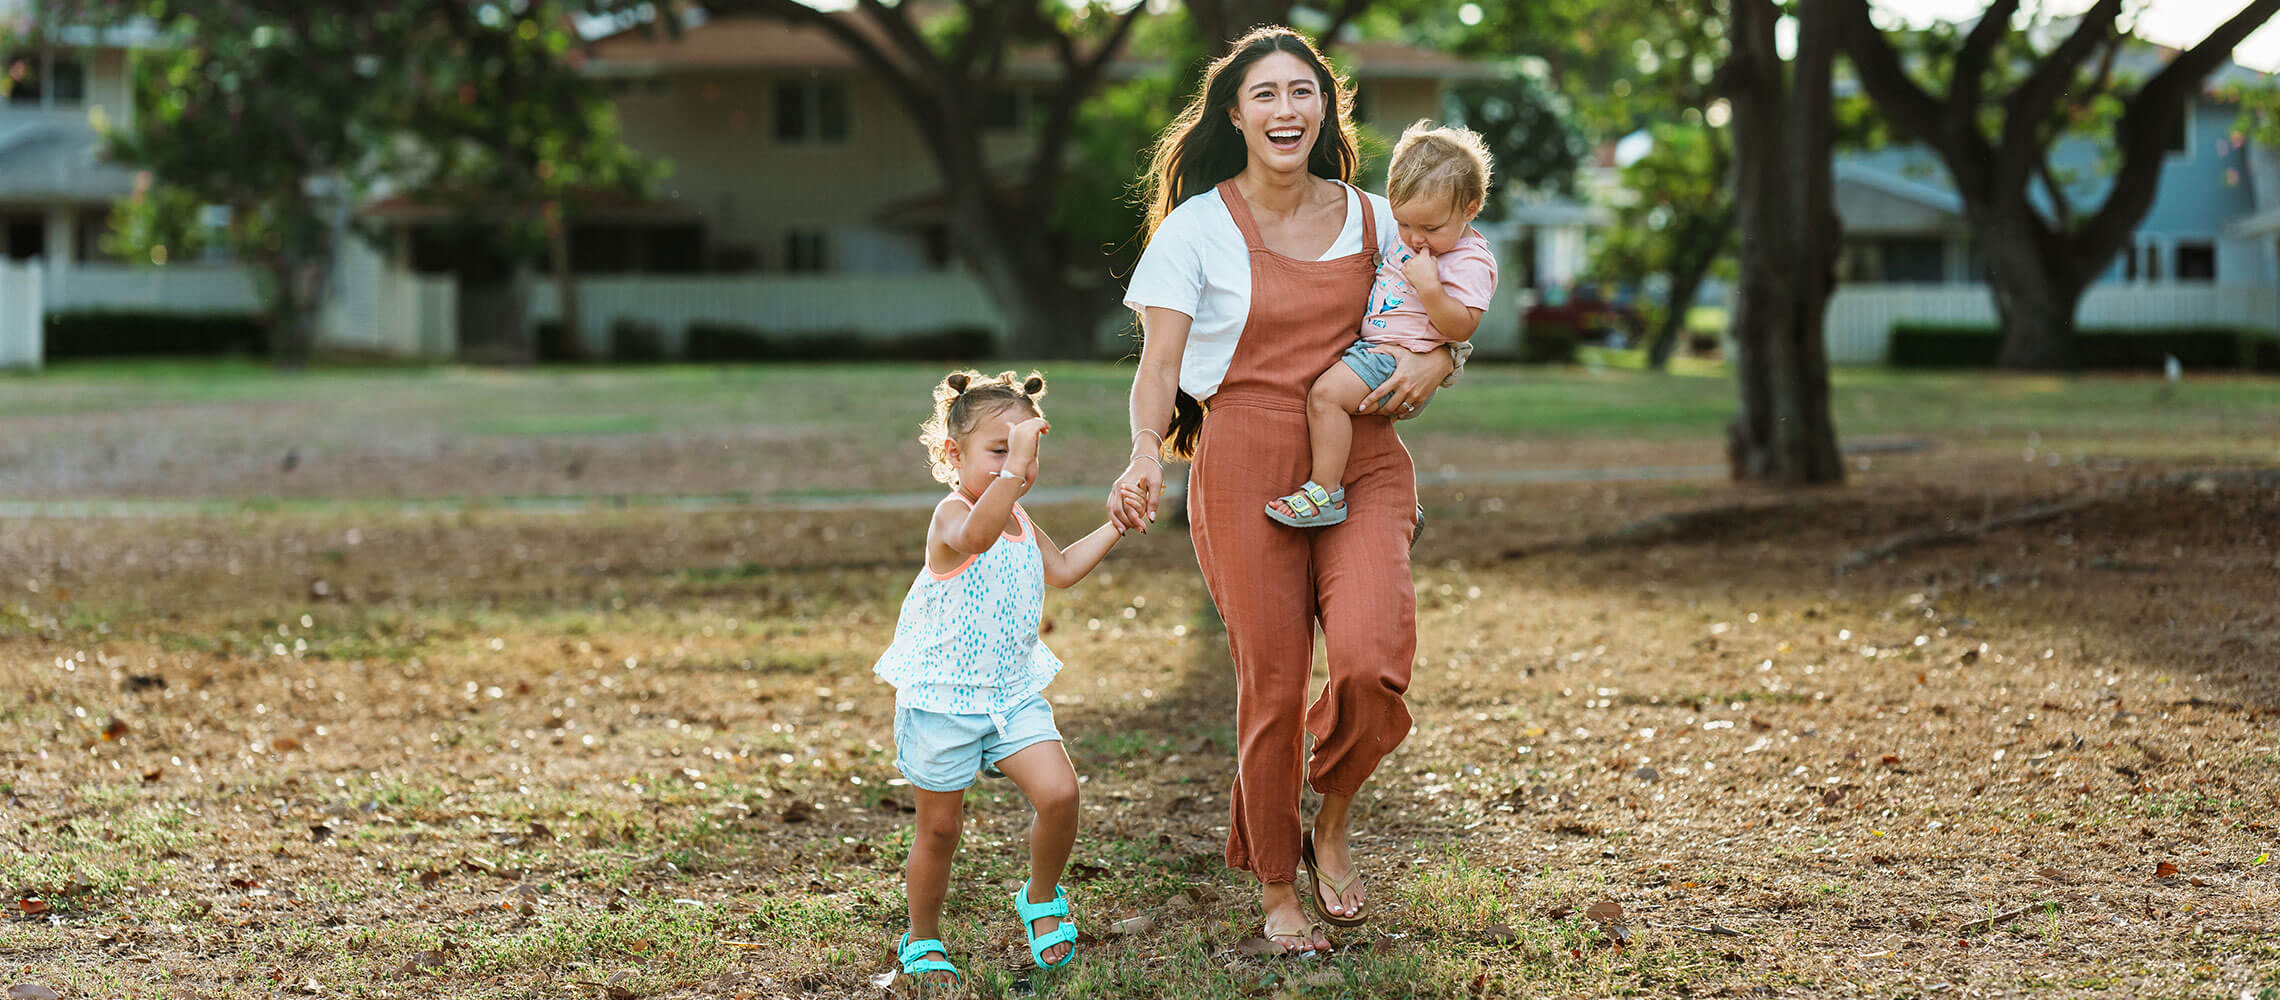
(1430, 162)
(961, 400)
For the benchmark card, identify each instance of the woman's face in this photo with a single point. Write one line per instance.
(1279, 108)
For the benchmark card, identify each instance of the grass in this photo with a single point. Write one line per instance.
(506, 754)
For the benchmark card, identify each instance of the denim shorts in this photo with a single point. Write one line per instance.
(1373, 367)
(941, 752)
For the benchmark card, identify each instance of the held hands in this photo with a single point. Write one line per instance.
(1422, 270)
(1132, 500)
(1022, 447)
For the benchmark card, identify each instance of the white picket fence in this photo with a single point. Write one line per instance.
(863, 306)
(1861, 316)
(176, 288)
(20, 312)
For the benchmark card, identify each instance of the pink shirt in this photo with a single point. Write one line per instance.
(1397, 316)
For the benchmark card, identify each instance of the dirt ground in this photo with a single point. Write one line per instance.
(639, 752)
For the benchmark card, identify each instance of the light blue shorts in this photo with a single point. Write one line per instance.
(941, 752)
(1370, 364)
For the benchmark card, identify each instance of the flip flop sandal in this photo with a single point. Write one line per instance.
(912, 954)
(1315, 880)
(1311, 507)
(1308, 932)
(1030, 913)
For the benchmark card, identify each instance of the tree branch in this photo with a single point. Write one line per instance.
(1897, 95)
(2028, 107)
(1079, 74)
(2062, 206)
(1971, 60)
(1347, 11)
(2145, 124)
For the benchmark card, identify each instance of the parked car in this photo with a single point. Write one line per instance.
(1598, 313)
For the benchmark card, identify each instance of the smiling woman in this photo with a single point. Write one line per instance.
(1256, 275)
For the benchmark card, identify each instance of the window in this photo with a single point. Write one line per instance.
(69, 81)
(2152, 262)
(811, 112)
(2180, 132)
(2197, 262)
(804, 250)
(24, 236)
(1916, 260)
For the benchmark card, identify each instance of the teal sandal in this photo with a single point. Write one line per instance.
(1312, 507)
(1030, 913)
(913, 954)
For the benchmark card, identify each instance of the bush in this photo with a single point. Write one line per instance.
(1932, 345)
(634, 341)
(555, 345)
(716, 341)
(97, 333)
(1548, 344)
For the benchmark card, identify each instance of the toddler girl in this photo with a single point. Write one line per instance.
(968, 667)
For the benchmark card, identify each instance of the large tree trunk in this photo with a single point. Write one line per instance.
(2035, 297)
(1782, 142)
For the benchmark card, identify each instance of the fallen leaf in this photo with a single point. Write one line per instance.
(429, 879)
(1891, 760)
(153, 775)
(2165, 870)
(1560, 912)
(800, 811)
(137, 683)
(1259, 947)
(32, 905)
(420, 963)
(884, 980)
(117, 730)
(320, 832)
(1498, 934)
(2060, 875)
(1606, 911)
(33, 991)
(541, 831)
(284, 744)
(1141, 924)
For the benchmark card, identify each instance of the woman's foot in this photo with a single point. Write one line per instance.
(1287, 925)
(1334, 870)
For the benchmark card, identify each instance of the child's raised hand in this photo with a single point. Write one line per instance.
(1421, 269)
(1021, 447)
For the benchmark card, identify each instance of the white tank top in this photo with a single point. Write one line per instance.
(966, 642)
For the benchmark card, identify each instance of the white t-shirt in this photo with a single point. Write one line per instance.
(1198, 264)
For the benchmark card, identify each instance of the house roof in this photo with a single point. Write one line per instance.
(59, 161)
(754, 43)
(1897, 186)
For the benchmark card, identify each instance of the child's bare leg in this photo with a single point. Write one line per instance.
(926, 876)
(1330, 422)
(1043, 774)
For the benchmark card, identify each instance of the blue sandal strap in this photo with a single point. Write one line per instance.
(1058, 906)
(1066, 933)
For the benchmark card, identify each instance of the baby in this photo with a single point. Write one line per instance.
(1429, 294)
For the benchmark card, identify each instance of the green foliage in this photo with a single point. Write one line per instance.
(1684, 209)
(1530, 129)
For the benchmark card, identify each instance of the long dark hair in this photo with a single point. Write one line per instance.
(1202, 148)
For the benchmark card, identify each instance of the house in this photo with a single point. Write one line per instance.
(2205, 254)
(56, 192)
(800, 199)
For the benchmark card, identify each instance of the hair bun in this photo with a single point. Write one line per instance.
(957, 382)
(1035, 385)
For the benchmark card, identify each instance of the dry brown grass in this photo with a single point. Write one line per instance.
(322, 752)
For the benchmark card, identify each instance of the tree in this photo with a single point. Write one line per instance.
(1680, 227)
(268, 116)
(1529, 129)
(1784, 132)
(1996, 144)
(494, 114)
(941, 72)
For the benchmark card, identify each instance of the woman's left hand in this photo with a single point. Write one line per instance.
(1416, 374)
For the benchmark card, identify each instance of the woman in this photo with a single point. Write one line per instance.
(1256, 274)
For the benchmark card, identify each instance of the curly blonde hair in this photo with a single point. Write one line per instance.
(961, 400)
(1429, 162)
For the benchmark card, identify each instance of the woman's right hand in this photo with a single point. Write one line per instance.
(1132, 501)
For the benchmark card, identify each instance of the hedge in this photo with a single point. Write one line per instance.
(1933, 345)
(713, 341)
(1548, 344)
(97, 333)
